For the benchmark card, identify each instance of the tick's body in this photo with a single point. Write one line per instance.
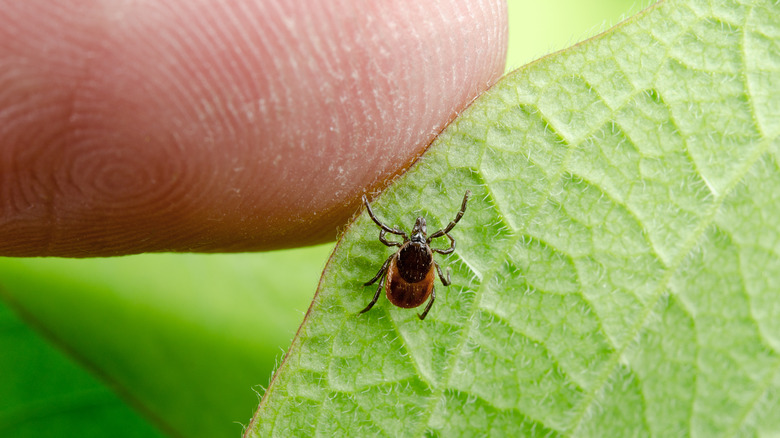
(410, 279)
(408, 275)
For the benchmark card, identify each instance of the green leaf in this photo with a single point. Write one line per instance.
(617, 272)
(44, 394)
(183, 337)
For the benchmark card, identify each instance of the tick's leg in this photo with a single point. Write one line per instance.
(388, 242)
(451, 225)
(379, 274)
(444, 281)
(376, 295)
(448, 250)
(384, 227)
(428, 307)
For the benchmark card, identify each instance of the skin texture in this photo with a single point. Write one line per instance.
(195, 125)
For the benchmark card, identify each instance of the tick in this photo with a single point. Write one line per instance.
(408, 275)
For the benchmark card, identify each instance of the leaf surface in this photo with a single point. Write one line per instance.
(183, 337)
(46, 394)
(617, 272)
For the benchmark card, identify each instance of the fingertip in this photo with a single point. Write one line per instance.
(246, 125)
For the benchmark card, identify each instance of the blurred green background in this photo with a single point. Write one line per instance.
(183, 344)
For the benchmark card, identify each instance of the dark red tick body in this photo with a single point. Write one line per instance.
(408, 275)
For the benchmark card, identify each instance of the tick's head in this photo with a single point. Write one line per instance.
(419, 232)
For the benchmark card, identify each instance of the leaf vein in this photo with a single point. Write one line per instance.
(689, 244)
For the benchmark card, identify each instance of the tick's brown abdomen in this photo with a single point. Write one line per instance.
(407, 294)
